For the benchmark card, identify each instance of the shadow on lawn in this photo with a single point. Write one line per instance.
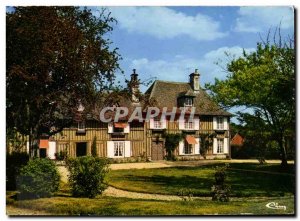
(242, 183)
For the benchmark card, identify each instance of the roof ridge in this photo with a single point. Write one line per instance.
(172, 82)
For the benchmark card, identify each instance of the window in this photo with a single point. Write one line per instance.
(119, 148)
(188, 148)
(118, 130)
(188, 102)
(188, 124)
(157, 123)
(81, 126)
(220, 123)
(220, 145)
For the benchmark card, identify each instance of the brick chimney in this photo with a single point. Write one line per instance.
(134, 85)
(194, 81)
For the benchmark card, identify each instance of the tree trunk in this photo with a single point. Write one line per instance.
(282, 152)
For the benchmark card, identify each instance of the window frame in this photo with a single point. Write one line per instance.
(119, 147)
(188, 124)
(220, 123)
(157, 123)
(220, 145)
(81, 126)
(189, 147)
(188, 102)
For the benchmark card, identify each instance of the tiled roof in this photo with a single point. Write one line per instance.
(166, 94)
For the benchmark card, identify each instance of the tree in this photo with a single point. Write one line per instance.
(172, 141)
(264, 81)
(57, 58)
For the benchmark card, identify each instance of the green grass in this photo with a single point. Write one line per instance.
(200, 179)
(109, 206)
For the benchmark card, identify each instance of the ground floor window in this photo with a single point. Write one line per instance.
(119, 148)
(220, 145)
(188, 148)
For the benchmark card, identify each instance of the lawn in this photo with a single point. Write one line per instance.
(199, 180)
(109, 206)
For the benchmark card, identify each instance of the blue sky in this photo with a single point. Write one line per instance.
(168, 43)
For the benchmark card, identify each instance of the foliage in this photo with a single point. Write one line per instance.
(264, 81)
(220, 190)
(171, 142)
(94, 147)
(206, 142)
(57, 58)
(14, 162)
(61, 155)
(87, 175)
(39, 178)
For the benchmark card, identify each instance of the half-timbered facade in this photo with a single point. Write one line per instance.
(145, 139)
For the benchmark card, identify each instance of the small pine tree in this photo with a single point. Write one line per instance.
(94, 147)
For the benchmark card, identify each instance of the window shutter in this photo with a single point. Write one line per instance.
(196, 123)
(181, 124)
(226, 123)
(197, 146)
(151, 123)
(27, 147)
(127, 129)
(110, 128)
(226, 145)
(52, 150)
(181, 143)
(214, 123)
(215, 143)
(127, 149)
(110, 149)
(164, 123)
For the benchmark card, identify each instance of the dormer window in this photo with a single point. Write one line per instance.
(220, 123)
(81, 127)
(188, 102)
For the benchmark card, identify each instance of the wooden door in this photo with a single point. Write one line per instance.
(157, 151)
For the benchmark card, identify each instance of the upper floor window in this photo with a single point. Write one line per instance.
(81, 126)
(220, 145)
(188, 102)
(157, 123)
(188, 124)
(220, 123)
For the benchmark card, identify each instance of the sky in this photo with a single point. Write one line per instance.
(169, 43)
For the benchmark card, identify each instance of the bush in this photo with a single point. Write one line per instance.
(220, 191)
(14, 162)
(87, 175)
(61, 155)
(39, 178)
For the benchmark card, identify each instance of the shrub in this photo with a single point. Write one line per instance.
(14, 162)
(220, 191)
(61, 155)
(87, 175)
(39, 178)
(172, 141)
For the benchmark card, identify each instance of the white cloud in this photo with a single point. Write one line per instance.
(165, 23)
(257, 19)
(179, 68)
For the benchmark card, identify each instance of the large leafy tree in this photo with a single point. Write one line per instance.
(263, 81)
(57, 57)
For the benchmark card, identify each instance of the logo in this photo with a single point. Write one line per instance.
(273, 205)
